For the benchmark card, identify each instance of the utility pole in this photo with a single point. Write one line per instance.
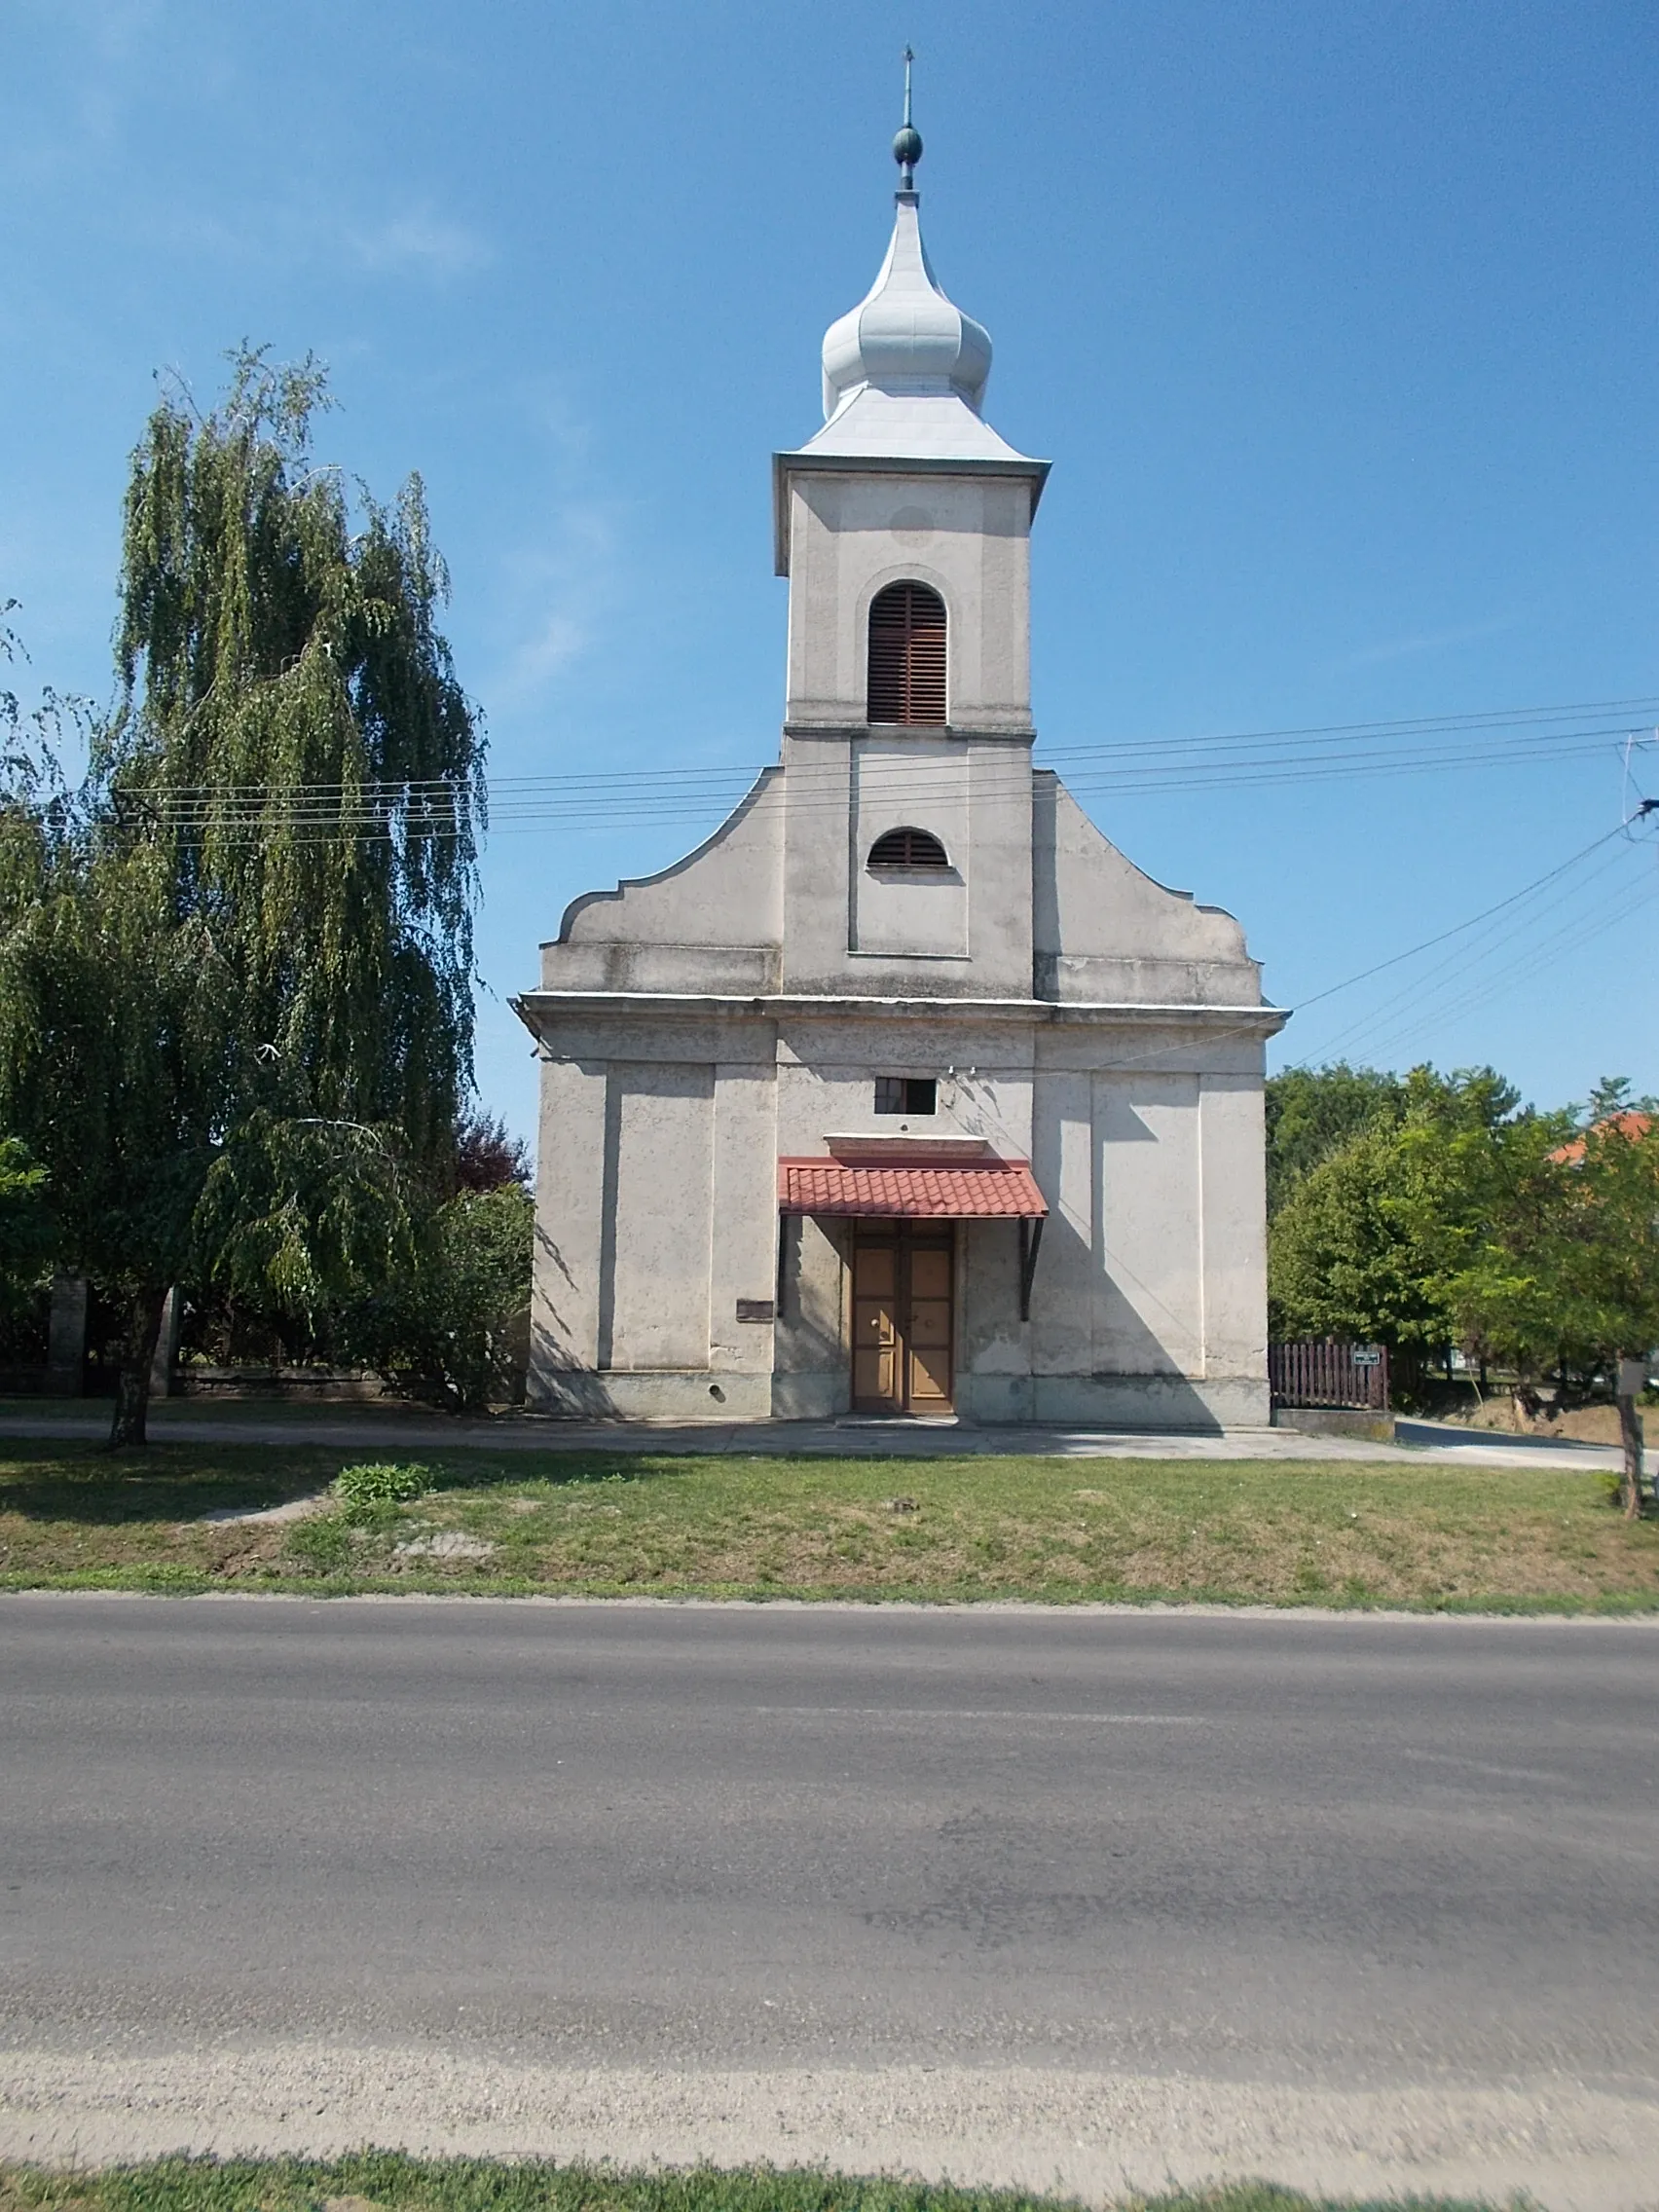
(1632, 1373)
(1631, 1382)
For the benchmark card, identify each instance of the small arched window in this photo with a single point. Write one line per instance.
(906, 656)
(908, 848)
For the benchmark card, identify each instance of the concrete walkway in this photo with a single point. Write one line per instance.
(396, 1427)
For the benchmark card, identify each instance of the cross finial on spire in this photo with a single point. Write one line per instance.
(907, 144)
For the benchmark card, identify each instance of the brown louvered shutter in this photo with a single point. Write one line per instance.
(908, 848)
(906, 656)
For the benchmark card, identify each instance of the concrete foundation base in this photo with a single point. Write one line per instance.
(1150, 1402)
(817, 1395)
(668, 1393)
(1114, 1401)
(1336, 1420)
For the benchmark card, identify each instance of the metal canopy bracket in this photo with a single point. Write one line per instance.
(1030, 1237)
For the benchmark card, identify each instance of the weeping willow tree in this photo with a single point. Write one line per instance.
(236, 968)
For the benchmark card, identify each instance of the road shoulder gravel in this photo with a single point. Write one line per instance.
(1094, 2135)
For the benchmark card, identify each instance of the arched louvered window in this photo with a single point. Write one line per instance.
(908, 848)
(906, 656)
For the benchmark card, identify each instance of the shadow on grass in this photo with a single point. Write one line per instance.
(84, 1482)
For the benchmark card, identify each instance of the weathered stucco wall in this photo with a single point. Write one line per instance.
(653, 1221)
(968, 537)
(849, 929)
(1105, 932)
(712, 922)
(657, 1214)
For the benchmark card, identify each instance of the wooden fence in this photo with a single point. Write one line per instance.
(1310, 1372)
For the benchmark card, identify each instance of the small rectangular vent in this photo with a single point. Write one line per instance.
(907, 1094)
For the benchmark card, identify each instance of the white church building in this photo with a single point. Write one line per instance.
(907, 1093)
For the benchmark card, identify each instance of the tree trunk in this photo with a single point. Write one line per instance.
(1631, 1373)
(138, 1351)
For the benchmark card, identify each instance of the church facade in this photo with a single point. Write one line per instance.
(905, 1094)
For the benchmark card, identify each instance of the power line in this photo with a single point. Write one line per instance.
(436, 806)
(1458, 929)
(258, 814)
(1530, 963)
(698, 786)
(1500, 717)
(1488, 923)
(1482, 970)
(1252, 1028)
(1474, 921)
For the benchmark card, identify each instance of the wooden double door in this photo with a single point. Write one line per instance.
(903, 1307)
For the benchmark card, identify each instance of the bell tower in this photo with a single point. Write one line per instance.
(904, 528)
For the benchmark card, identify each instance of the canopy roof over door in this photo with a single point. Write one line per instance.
(979, 1189)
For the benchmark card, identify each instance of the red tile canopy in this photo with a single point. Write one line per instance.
(980, 1189)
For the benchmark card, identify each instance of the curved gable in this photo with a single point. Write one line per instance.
(1105, 932)
(712, 921)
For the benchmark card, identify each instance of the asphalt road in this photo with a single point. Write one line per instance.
(1343, 1900)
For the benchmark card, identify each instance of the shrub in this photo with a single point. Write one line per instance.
(381, 1482)
(444, 1328)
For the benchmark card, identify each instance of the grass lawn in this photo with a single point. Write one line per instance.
(1280, 1533)
(380, 2181)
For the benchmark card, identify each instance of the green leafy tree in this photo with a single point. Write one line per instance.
(1369, 1242)
(1482, 1193)
(236, 1011)
(452, 1326)
(1343, 1257)
(112, 1054)
(1541, 1237)
(1613, 1266)
(24, 1229)
(1312, 1113)
(302, 1213)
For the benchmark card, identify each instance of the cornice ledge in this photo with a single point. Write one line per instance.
(1263, 1020)
(1007, 733)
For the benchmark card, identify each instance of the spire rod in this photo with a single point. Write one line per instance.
(907, 143)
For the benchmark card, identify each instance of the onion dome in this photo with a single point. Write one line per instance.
(905, 372)
(905, 336)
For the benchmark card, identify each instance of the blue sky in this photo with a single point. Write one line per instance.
(1338, 324)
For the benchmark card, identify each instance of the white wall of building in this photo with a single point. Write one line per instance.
(1147, 1304)
(697, 1025)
